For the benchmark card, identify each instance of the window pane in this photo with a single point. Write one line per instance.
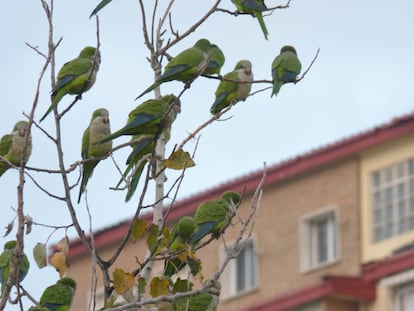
(376, 178)
(241, 275)
(246, 268)
(392, 200)
(322, 236)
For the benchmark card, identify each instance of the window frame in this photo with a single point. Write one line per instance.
(310, 243)
(386, 198)
(229, 278)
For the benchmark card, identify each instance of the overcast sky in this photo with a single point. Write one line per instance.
(362, 78)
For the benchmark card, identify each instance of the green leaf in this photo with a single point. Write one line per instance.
(138, 229)
(100, 6)
(39, 255)
(195, 265)
(179, 160)
(181, 286)
(141, 285)
(157, 240)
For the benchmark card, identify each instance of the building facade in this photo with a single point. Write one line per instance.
(335, 231)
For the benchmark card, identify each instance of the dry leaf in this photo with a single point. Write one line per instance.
(39, 255)
(123, 281)
(179, 160)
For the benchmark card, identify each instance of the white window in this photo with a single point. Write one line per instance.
(319, 238)
(404, 297)
(392, 200)
(240, 274)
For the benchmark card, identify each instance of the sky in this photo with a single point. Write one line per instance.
(362, 78)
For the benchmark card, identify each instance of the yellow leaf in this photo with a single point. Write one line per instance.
(58, 261)
(179, 160)
(123, 281)
(138, 228)
(159, 286)
(39, 255)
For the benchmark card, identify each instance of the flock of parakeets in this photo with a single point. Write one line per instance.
(154, 117)
(146, 123)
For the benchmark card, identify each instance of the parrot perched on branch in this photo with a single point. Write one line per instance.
(16, 146)
(186, 66)
(76, 76)
(255, 8)
(212, 217)
(6, 258)
(145, 124)
(234, 87)
(98, 129)
(58, 297)
(285, 68)
(180, 237)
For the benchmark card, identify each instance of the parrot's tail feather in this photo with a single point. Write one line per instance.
(276, 88)
(262, 24)
(55, 100)
(134, 181)
(153, 86)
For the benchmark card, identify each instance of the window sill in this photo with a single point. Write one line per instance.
(240, 294)
(320, 266)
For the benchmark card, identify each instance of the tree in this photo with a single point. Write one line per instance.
(147, 161)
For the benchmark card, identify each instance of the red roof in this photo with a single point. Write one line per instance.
(315, 159)
(350, 288)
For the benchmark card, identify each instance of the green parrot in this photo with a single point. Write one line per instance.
(255, 8)
(5, 261)
(212, 217)
(216, 61)
(97, 130)
(58, 297)
(186, 66)
(146, 122)
(180, 236)
(285, 68)
(12, 146)
(229, 91)
(76, 76)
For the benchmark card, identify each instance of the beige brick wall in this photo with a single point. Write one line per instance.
(277, 234)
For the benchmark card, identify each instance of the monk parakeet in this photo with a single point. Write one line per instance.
(186, 66)
(255, 8)
(5, 262)
(97, 130)
(180, 236)
(16, 146)
(146, 123)
(229, 91)
(216, 61)
(213, 216)
(58, 297)
(285, 68)
(76, 76)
